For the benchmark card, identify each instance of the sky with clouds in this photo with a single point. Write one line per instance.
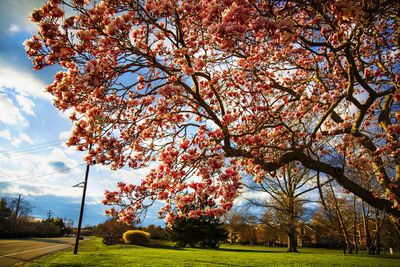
(34, 161)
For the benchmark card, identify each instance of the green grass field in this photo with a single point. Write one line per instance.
(94, 253)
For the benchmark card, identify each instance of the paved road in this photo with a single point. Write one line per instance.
(13, 251)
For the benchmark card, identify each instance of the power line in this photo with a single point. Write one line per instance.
(40, 176)
(33, 147)
(28, 155)
(98, 171)
(33, 154)
(31, 151)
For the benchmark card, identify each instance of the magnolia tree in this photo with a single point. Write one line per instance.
(212, 89)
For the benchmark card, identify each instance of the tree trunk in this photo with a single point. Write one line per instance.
(16, 217)
(355, 240)
(377, 236)
(344, 232)
(292, 241)
(291, 228)
(370, 246)
(342, 227)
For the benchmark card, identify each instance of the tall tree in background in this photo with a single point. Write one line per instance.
(339, 204)
(210, 88)
(286, 191)
(271, 228)
(325, 221)
(5, 219)
(20, 209)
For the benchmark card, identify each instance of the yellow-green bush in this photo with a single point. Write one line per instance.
(136, 237)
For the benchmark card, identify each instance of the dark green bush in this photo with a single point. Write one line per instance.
(205, 231)
(200, 232)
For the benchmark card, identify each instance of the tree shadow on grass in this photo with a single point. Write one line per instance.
(214, 263)
(160, 245)
(71, 264)
(163, 246)
(397, 257)
(156, 245)
(248, 250)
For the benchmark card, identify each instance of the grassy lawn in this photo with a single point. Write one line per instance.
(94, 253)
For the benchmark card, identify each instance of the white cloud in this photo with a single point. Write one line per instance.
(65, 135)
(66, 114)
(26, 104)
(23, 82)
(22, 138)
(249, 194)
(9, 112)
(32, 172)
(16, 12)
(5, 134)
(132, 176)
(14, 28)
(34, 189)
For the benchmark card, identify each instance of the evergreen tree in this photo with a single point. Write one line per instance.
(5, 219)
(204, 230)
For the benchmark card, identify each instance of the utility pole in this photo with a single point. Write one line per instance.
(82, 206)
(49, 213)
(16, 215)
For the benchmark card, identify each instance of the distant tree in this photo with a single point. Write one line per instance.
(69, 227)
(20, 209)
(248, 234)
(235, 219)
(111, 231)
(58, 223)
(270, 230)
(332, 218)
(24, 207)
(343, 212)
(156, 232)
(235, 222)
(241, 226)
(286, 190)
(5, 219)
(390, 235)
(267, 235)
(50, 229)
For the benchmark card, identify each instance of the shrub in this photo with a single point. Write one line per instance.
(136, 237)
(111, 231)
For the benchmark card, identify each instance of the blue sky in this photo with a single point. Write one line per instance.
(34, 161)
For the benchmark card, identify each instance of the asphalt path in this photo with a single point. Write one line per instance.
(13, 251)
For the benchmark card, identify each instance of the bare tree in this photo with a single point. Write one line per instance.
(286, 191)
